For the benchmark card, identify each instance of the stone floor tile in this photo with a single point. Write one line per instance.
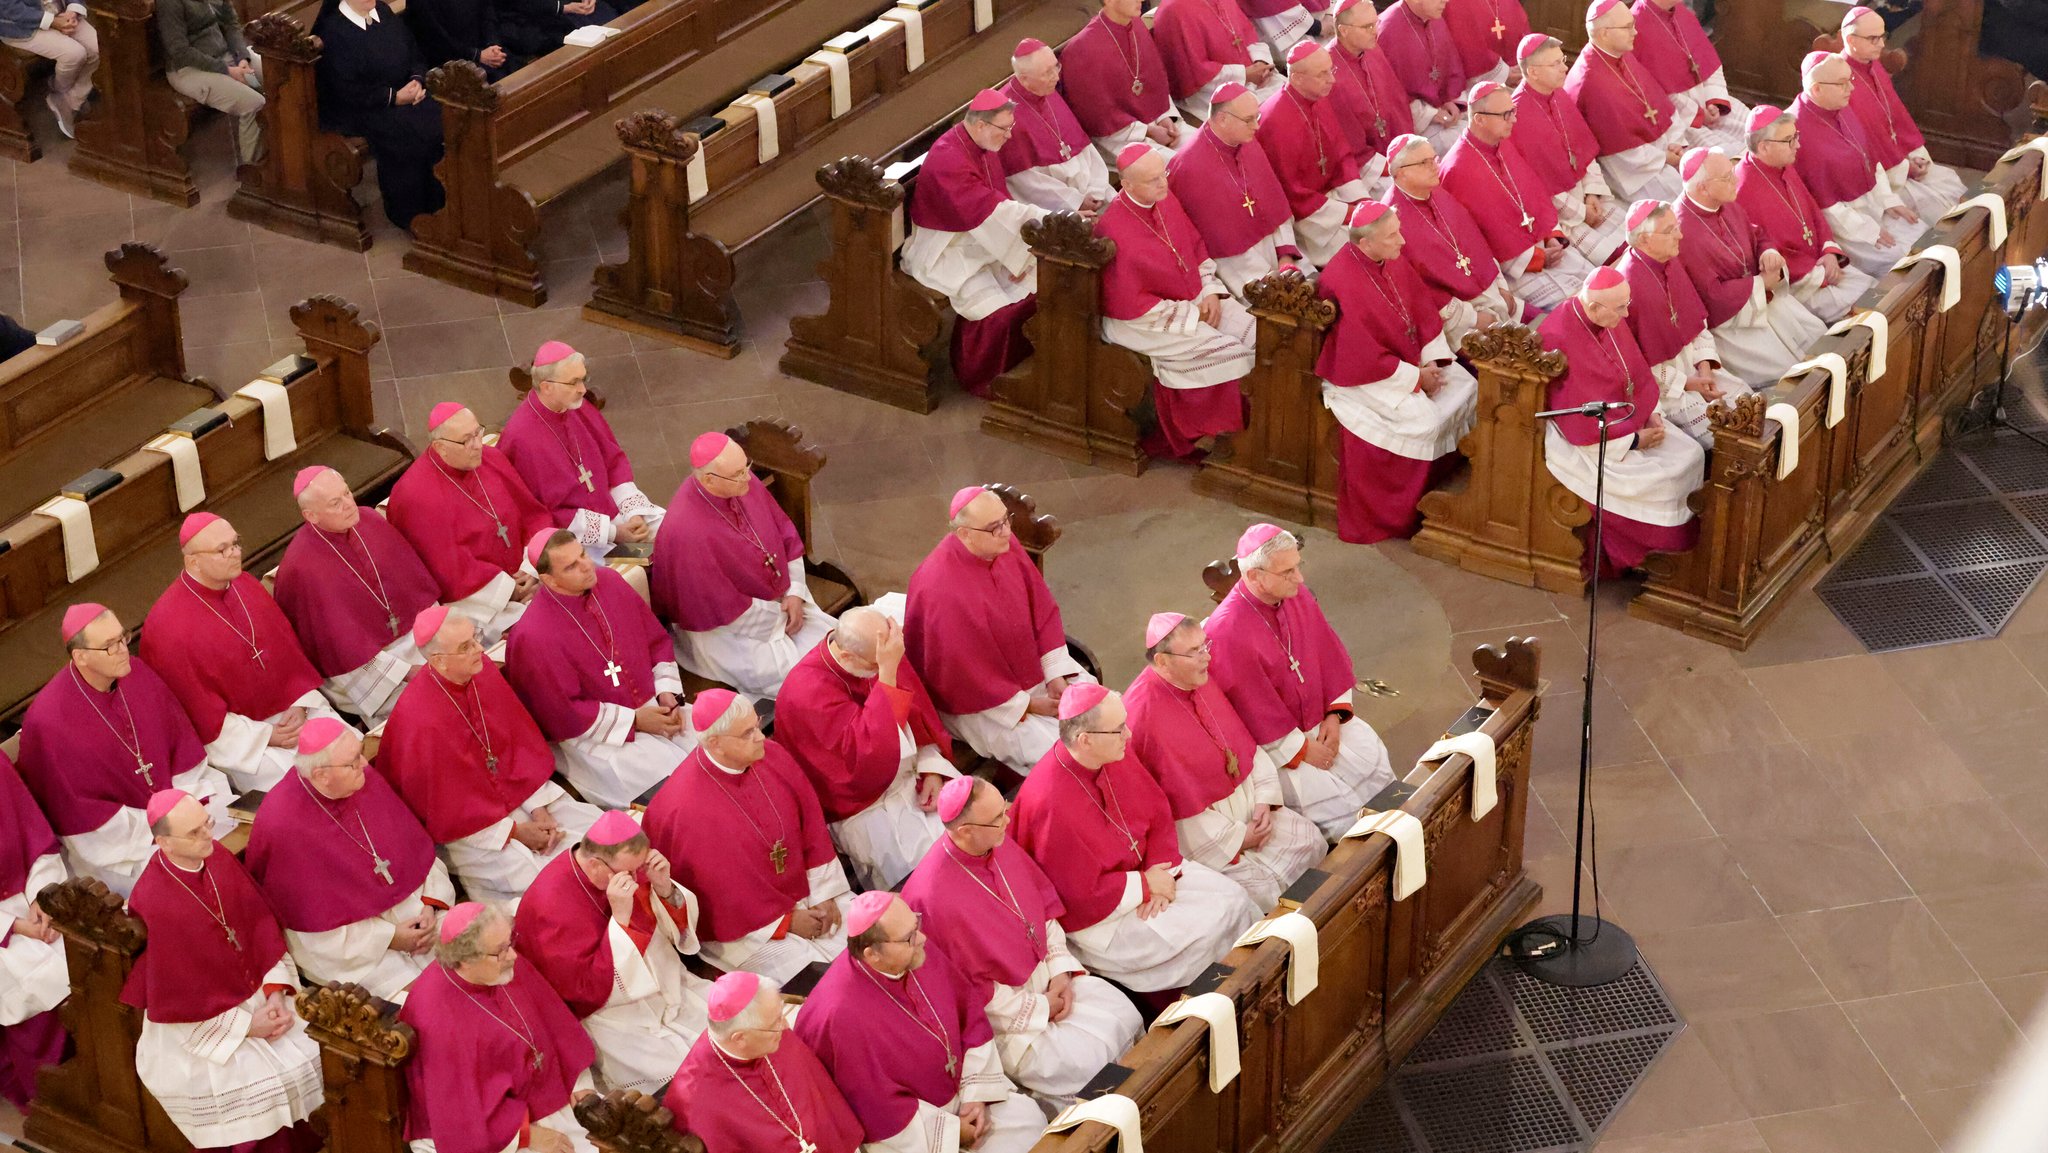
(1880, 948)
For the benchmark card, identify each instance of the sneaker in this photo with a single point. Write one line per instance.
(64, 124)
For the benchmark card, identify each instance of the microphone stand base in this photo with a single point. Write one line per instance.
(1545, 950)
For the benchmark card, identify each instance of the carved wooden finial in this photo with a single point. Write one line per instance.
(1065, 237)
(332, 320)
(462, 84)
(859, 180)
(1744, 416)
(1512, 348)
(1221, 576)
(1034, 530)
(1504, 669)
(353, 1014)
(85, 908)
(652, 130)
(629, 1121)
(279, 37)
(141, 266)
(779, 446)
(1291, 294)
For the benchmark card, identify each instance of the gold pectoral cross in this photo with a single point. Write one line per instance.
(1464, 265)
(1649, 114)
(583, 475)
(142, 767)
(1250, 206)
(1294, 665)
(779, 857)
(391, 622)
(234, 942)
(540, 1059)
(1066, 153)
(1806, 233)
(1527, 220)
(952, 1065)
(257, 656)
(1230, 762)
(1498, 28)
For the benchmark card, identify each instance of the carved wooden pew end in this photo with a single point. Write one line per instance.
(304, 185)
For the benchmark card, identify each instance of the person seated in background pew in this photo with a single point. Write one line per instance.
(1401, 400)
(535, 28)
(462, 30)
(349, 871)
(58, 33)
(1844, 170)
(1208, 44)
(1673, 47)
(728, 575)
(501, 1060)
(1486, 173)
(14, 339)
(565, 451)
(750, 1083)
(1163, 299)
(230, 657)
(743, 830)
(1114, 78)
(1289, 677)
(607, 925)
(1418, 42)
(1371, 104)
(1311, 152)
(351, 585)
(1048, 159)
(207, 61)
(1446, 245)
(221, 1048)
(855, 716)
(1670, 324)
(967, 242)
(907, 1037)
(373, 83)
(599, 674)
(102, 736)
(1759, 325)
(1650, 472)
(1486, 33)
(1639, 126)
(995, 912)
(1769, 189)
(1929, 188)
(466, 512)
(1226, 185)
(1222, 788)
(984, 634)
(1557, 143)
(470, 761)
(34, 975)
(1096, 822)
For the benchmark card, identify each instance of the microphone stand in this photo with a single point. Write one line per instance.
(1580, 950)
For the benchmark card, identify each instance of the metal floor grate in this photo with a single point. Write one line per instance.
(1955, 555)
(1517, 1066)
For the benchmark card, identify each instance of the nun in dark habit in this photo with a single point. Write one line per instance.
(372, 81)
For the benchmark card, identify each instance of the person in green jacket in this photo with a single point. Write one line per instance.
(206, 59)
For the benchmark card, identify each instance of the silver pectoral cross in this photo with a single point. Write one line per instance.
(257, 656)
(803, 1146)
(1066, 153)
(382, 868)
(952, 1065)
(540, 1059)
(1527, 220)
(233, 941)
(612, 669)
(490, 762)
(142, 767)
(391, 622)
(1294, 664)
(504, 534)
(1464, 263)
(583, 476)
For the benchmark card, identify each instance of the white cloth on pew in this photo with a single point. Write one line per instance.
(913, 35)
(1838, 382)
(1787, 417)
(1411, 872)
(984, 14)
(767, 137)
(1479, 746)
(694, 175)
(2037, 144)
(1990, 202)
(1112, 1109)
(1220, 1014)
(186, 474)
(1304, 950)
(278, 436)
(81, 551)
(835, 65)
(1880, 338)
(1951, 263)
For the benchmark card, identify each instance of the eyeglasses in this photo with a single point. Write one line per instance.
(470, 441)
(1000, 528)
(1123, 730)
(1200, 650)
(1508, 115)
(232, 548)
(1005, 129)
(916, 926)
(117, 645)
(1877, 39)
(1002, 820)
(502, 952)
(1834, 84)
(1792, 139)
(743, 477)
(1251, 121)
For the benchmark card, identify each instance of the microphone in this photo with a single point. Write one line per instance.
(1592, 408)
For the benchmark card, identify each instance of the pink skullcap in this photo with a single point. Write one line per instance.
(77, 617)
(1600, 8)
(961, 498)
(863, 911)
(1160, 625)
(1689, 164)
(1302, 50)
(1026, 47)
(1529, 45)
(731, 994)
(1763, 115)
(1855, 14)
(193, 526)
(614, 828)
(1482, 90)
(538, 545)
(1365, 212)
(459, 918)
(1605, 277)
(553, 352)
(1255, 536)
(1228, 93)
(954, 797)
(987, 100)
(428, 623)
(1344, 6)
(319, 733)
(1131, 154)
(306, 476)
(441, 412)
(1402, 143)
(710, 705)
(1813, 60)
(1080, 698)
(163, 801)
(706, 448)
(1640, 211)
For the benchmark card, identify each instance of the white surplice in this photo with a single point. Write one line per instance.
(1322, 234)
(221, 1086)
(562, 1121)
(1685, 411)
(492, 608)
(657, 1007)
(886, 840)
(1859, 223)
(1185, 350)
(753, 654)
(360, 952)
(611, 771)
(243, 750)
(34, 977)
(492, 866)
(1010, 732)
(780, 959)
(370, 690)
(1197, 105)
(597, 533)
(1065, 186)
(1261, 259)
(116, 851)
(986, 268)
(1769, 335)
(1649, 485)
(1014, 1122)
(1215, 836)
(1393, 415)
(1055, 1059)
(1208, 912)
(1931, 195)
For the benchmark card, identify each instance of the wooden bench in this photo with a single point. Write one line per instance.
(135, 521)
(305, 184)
(676, 279)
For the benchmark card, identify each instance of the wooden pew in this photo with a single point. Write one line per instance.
(675, 280)
(1079, 396)
(304, 186)
(780, 450)
(135, 521)
(16, 67)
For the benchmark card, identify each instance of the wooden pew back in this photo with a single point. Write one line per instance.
(304, 186)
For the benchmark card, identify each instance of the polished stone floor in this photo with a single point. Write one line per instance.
(1834, 861)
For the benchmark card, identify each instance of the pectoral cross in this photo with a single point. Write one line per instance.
(583, 477)
(1435, 73)
(1464, 265)
(504, 534)
(142, 767)
(1230, 762)
(382, 868)
(778, 856)
(257, 656)
(1527, 220)
(1498, 28)
(391, 622)
(1137, 87)
(1294, 665)
(540, 1059)
(1806, 233)
(490, 762)
(803, 1146)
(1066, 153)
(612, 670)
(234, 942)
(1649, 114)
(1379, 126)
(768, 562)
(952, 1065)
(1250, 206)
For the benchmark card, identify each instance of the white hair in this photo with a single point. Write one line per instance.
(1261, 558)
(554, 372)
(1649, 222)
(764, 1008)
(730, 719)
(317, 759)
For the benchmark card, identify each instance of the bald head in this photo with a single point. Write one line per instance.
(1313, 76)
(1605, 307)
(1145, 179)
(1237, 121)
(213, 556)
(1864, 37)
(328, 504)
(1828, 83)
(1614, 31)
(860, 628)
